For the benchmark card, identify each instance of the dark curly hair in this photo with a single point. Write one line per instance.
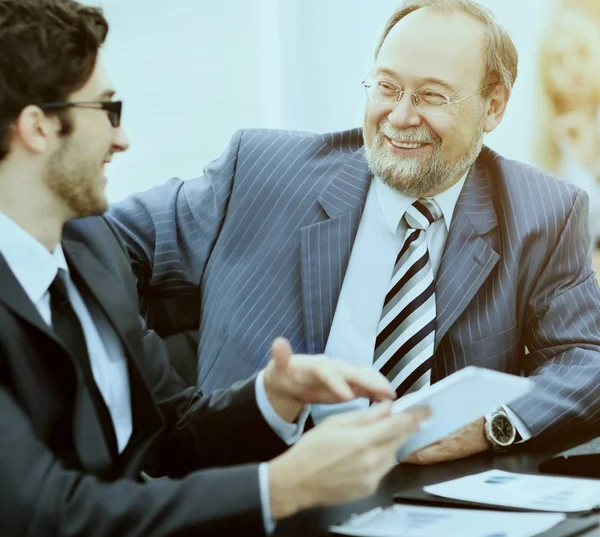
(48, 50)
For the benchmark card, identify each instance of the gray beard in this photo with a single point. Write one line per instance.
(415, 177)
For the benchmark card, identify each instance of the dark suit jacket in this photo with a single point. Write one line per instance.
(259, 245)
(47, 489)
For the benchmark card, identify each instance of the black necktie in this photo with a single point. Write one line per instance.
(89, 438)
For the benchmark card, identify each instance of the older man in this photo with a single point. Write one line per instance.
(407, 245)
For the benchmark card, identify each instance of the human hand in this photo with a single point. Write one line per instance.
(468, 441)
(342, 459)
(292, 381)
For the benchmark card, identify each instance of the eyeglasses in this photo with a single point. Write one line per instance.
(424, 101)
(113, 108)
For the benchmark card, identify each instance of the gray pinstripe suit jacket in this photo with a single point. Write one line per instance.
(258, 247)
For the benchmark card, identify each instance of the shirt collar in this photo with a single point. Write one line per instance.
(32, 264)
(394, 204)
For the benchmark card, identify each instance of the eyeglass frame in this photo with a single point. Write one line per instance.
(400, 93)
(114, 108)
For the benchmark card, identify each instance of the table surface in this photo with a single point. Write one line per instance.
(404, 477)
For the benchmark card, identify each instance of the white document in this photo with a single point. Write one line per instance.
(535, 492)
(413, 521)
(459, 399)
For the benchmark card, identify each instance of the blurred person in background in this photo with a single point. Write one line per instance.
(568, 131)
(589, 8)
(87, 397)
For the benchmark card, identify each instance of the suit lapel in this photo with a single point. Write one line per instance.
(147, 423)
(107, 290)
(469, 256)
(326, 247)
(14, 296)
(88, 434)
(112, 298)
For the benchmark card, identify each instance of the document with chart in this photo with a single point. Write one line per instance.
(523, 491)
(414, 521)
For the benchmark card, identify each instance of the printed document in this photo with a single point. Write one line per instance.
(414, 521)
(534, 492)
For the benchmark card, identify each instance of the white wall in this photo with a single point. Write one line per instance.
(191, 72)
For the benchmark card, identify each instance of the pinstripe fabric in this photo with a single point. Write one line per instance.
(262, 240)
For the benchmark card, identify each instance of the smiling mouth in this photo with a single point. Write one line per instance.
(407, 145)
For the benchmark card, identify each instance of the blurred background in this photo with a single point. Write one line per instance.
(192, 72)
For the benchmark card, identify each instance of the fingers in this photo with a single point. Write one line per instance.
(429, 455)
(357, 418)
(397, 428)
(343, 381)
(380, 425)
(281, 353)
(366, 382)
(413, 458)
(335, 383)
(424, 455)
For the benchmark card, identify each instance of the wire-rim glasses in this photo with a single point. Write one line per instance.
(424, 101)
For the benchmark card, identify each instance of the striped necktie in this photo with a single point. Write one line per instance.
(406, 331)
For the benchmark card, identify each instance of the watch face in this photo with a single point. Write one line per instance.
(502, 430)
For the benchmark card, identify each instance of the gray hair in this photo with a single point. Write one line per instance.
(501, 57)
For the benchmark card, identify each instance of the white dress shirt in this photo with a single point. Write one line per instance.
(35, 269)
(381, 234)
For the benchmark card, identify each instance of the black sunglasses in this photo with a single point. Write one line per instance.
(113, 108)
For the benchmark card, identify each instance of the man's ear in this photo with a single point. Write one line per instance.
(34, 130)
(496, 107)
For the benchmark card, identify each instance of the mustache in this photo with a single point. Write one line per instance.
(422, 135)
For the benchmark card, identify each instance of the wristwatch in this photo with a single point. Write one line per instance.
(499, 430)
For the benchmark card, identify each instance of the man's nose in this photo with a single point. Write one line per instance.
(404, 114)
(121, 141)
